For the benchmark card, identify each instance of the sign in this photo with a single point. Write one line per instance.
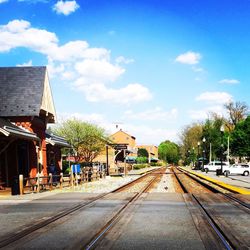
(119, 146)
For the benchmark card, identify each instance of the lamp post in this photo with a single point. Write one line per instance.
(203, 151)
(198, 155)
(221, 150)
(193, 158)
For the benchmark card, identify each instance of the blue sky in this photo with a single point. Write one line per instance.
(149, 66)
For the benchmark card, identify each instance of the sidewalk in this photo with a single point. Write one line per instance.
(233, 180)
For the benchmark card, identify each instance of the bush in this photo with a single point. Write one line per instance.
(141, 160)
(155, 164)
(65, 165)
(139, 166)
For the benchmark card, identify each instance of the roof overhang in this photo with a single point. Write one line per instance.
(20, 133)
(55, 140)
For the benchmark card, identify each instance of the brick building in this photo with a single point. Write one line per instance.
(26, 107)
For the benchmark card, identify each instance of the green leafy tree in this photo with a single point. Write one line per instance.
(87, 139)
(211, 132)
(240, 139)
(142, 152)
(169, 152)
(189, 137)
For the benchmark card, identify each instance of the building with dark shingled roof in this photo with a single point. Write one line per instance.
(26, 107)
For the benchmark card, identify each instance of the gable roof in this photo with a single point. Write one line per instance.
(25, 91)
(121, 131)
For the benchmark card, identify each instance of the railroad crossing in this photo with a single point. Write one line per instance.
(201, 213)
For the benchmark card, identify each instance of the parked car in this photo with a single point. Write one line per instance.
(214, 165)
(242, 169)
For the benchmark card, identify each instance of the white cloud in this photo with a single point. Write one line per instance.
(122, 59)
(29, 63)
(146, 135)
(89, 68)
(93, 117)
(98, 71)
(203, 114)
(156, 114)
(65, 7)
(229, 81)
(3, 1)
(18, 33)
(189, 58)
(215, 97)
(197, 69)
(132, 93)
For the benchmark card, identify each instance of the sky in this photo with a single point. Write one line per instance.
(149, 67)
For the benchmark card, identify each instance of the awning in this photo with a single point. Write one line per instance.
(56, 140)
(154, 159)
(9, 129)
(131, 158)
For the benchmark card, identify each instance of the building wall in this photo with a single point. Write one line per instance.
(152, 150)
(121, 137)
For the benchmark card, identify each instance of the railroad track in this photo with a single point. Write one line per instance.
(147, 178)
(217, 226)
(216, 188)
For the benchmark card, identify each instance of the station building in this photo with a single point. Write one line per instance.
(26, 107)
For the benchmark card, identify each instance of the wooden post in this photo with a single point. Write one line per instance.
(21, 184)
(38, 182)
(50, 181)
(61, 180)
(71, 178)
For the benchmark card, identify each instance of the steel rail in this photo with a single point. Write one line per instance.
(17, 236)
(226, 195)
(116, 217)
(224, 239)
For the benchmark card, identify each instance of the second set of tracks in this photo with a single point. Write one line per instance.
(208, 198)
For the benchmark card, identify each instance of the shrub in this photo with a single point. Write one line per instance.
(139, 166)
(141, 160)
(154, 164)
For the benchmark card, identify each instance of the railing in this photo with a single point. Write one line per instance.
(50, 182)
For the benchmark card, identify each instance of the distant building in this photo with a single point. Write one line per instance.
(152, 152)
(26, 107)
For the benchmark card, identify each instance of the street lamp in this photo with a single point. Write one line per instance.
(221, 149)
(198, 155)
(193, 157)
(203, 156)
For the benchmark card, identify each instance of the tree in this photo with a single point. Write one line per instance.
(142, 152)
(237, 112)
(189, 137)
(169, 152)
(87, 139)
(240, 145)
(211, 132)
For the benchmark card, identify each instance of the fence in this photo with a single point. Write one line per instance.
(43, 183)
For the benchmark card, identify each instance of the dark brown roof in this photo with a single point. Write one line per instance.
(21, 90)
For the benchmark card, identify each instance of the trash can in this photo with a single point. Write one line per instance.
(218, 172)
(15, 190)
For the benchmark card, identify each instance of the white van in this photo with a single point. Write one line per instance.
(214, 165)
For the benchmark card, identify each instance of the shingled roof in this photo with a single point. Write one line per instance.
(25, 91)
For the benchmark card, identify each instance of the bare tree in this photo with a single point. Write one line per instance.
(237, 112)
